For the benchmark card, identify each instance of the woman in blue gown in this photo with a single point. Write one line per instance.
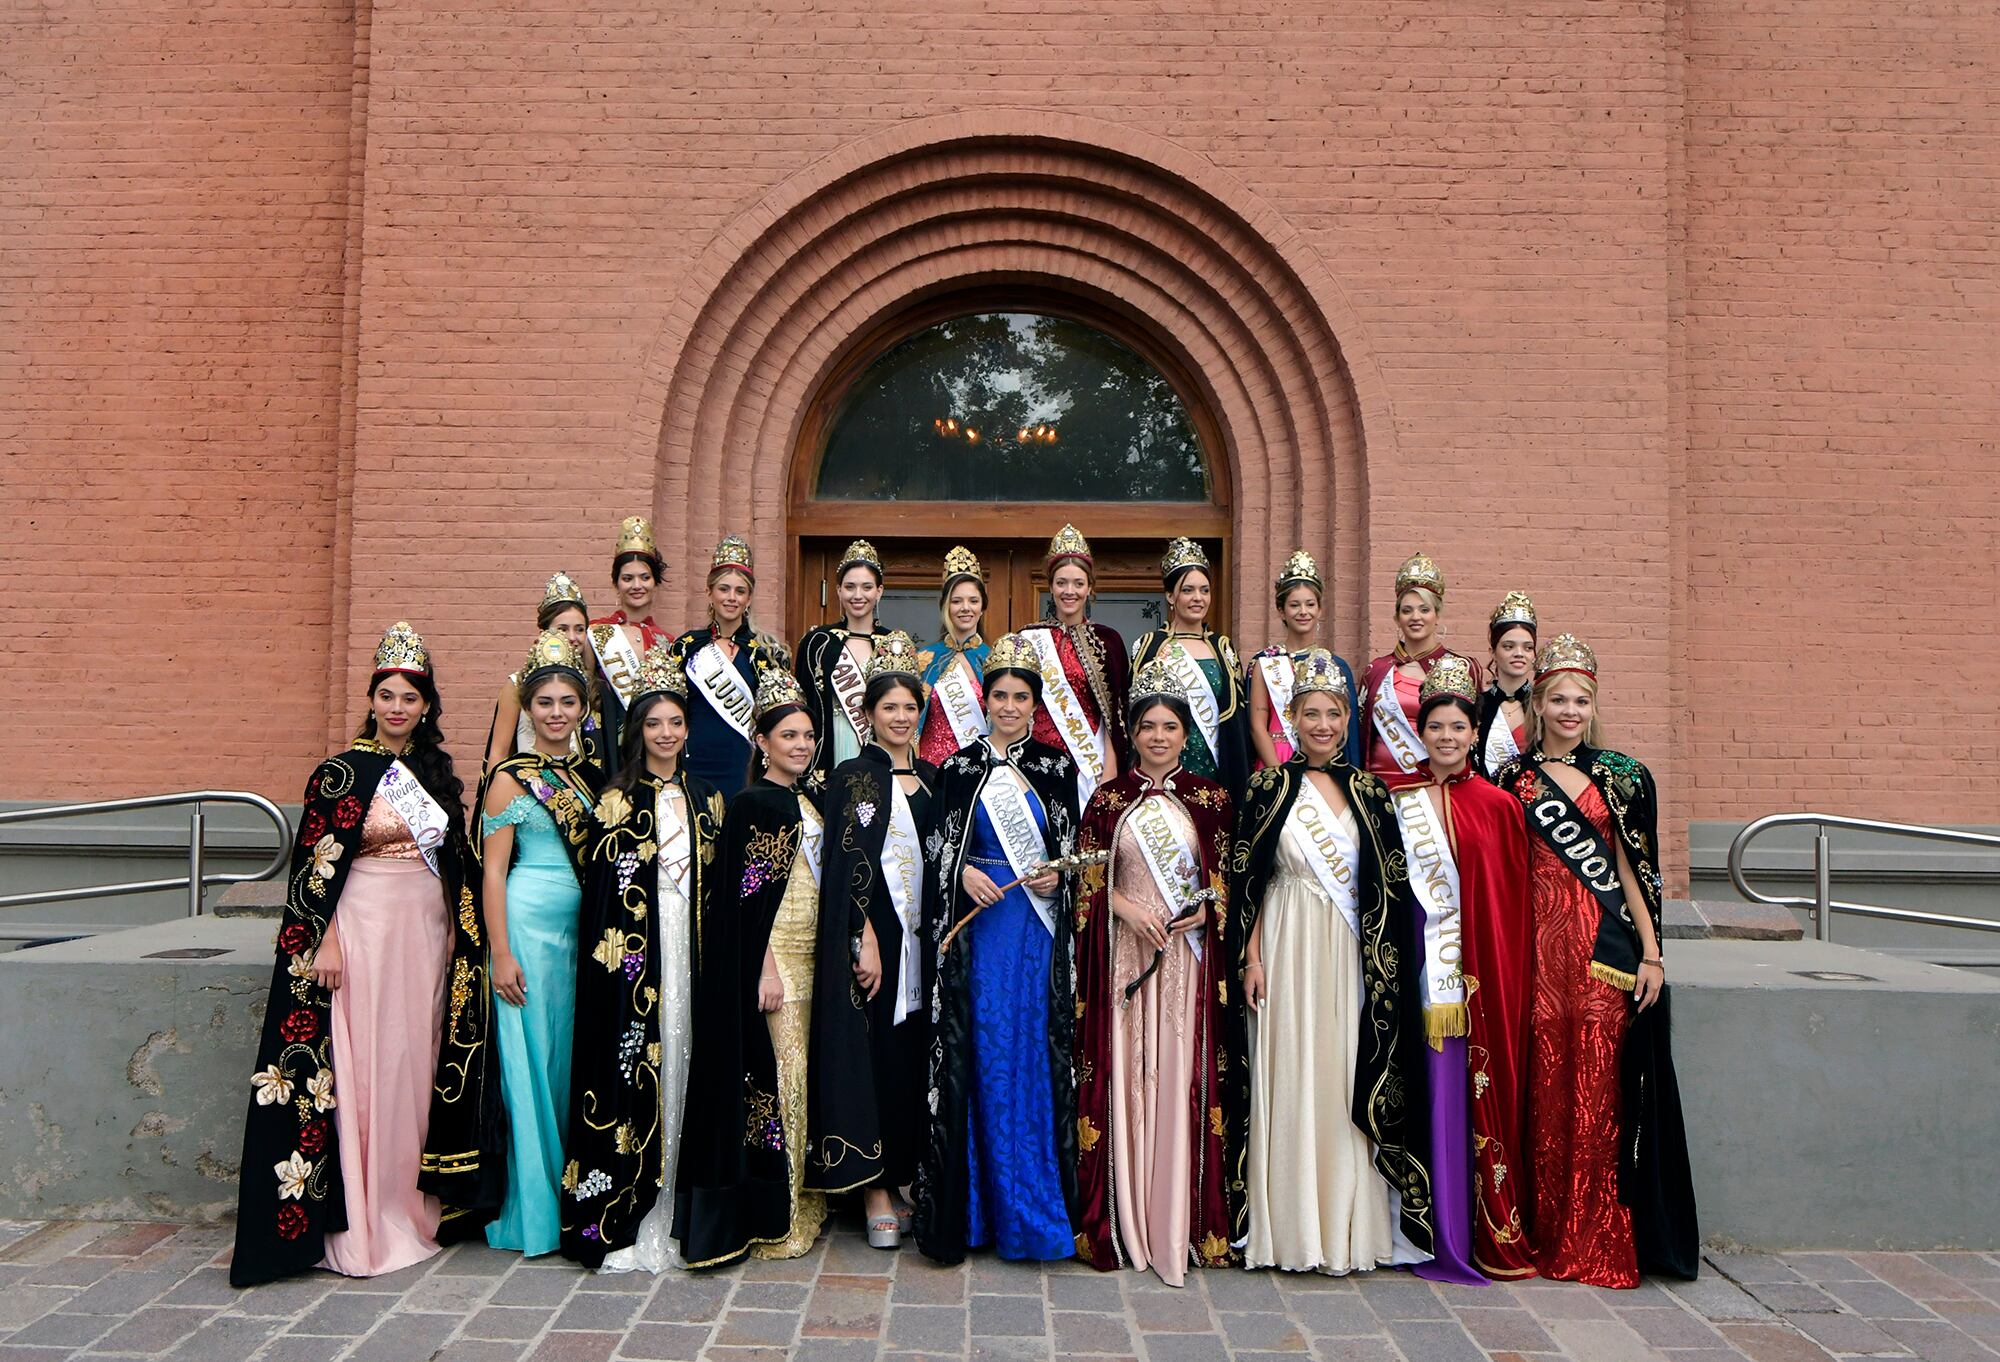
(724, 660)
(534, 822)
(1000, 1167)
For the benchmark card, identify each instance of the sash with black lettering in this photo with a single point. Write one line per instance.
(1554, 817)
(849, 686)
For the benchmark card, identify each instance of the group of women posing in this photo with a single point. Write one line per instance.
(1156, 961)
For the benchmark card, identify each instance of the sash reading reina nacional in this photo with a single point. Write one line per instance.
(1174, 871)
(1005, 798)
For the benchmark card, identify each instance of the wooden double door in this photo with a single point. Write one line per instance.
(1128, 584)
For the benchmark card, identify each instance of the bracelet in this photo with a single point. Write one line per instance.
(1655, 960)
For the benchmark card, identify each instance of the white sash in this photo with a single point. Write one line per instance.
(1207, 710)
(1086, 745)
(1329, 849)
(1500, 745)
(670, 826)
(902, 867)
(1278, 679)
(849, 686)
(422, 815)
(1175, 872)
(617, 659)
(1008, 804)
(960, 701)
(1434, 879)
(727, 693)
(1394, 725)
(812, 838)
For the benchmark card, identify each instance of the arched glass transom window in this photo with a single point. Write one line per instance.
(1012, 406)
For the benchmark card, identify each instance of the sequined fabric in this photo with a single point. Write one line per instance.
(384, 834)
(1580, 1230)
(794, 936)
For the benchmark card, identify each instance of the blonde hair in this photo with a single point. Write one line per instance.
(1423, 593)
(1594, 737)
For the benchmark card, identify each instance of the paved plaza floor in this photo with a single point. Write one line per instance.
(69, 1289)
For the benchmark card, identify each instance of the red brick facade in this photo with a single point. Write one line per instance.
(1682, 316)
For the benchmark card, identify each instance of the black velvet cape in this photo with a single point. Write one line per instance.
(464, 1154)
(615, 1098)
(1391, 1104)
(734, 1188)
(818, 651)
(1654, 1176)
(941, 1187)
(857, 1067)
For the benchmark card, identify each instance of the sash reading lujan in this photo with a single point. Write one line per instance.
(1394, 725)
(727, 693)
(902, 867)
(617, 659)
(1207, 710)
(1175, 872)
(1008, 804)
(849, 686)
(1278, 679)
(1086, 745)
(423, 816)
(957, 695)
(1434, 879)
(1329, 850)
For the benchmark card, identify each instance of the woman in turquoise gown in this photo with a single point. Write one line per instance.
(1204, 662)
(534, 822)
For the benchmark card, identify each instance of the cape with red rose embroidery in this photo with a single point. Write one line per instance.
(283, 1218)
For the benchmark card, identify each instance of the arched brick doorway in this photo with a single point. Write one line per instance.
(1126, 229)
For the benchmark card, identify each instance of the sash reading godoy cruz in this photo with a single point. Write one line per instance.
(727, 693)
(1555, 818)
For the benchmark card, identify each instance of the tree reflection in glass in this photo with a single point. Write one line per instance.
(1012, 406)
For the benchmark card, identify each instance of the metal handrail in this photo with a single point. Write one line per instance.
(1823, 905)
(197, 877)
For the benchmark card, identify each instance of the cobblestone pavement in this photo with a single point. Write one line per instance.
(96, 1290)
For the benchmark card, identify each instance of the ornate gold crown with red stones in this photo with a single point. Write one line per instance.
(635, 535)
(1068, 543)
(1316, 671)
(1420, 571)
(1451, 676)
(402, 650)
(561, 590)
(732, 555)
(1566, 653)
(1515, 609)
(1155, 681)
(659, 674)
(1182, 553)
(895, 655)
(860, 553)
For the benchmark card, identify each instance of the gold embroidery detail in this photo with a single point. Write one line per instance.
(1086, 1134)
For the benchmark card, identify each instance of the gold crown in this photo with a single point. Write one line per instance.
(1181, 554)
(860, 553)
(732, 554)
(1566, 653)
(1300, 570)
(561, 590)
(1451, 676)
(402, 650)
(962, 562)
(1155, 681)
(1515, 609)
(777, 688)
(895, 655)
(1420, 571)
(552, 651)
(1012, 650)
(635, 535)
(659, 674)
(1068, 543)
(1315, 671)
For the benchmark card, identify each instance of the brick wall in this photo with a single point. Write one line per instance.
(1639, 301)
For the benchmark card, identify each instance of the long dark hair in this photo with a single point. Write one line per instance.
(766, 722)
(425, 753)
(887, 682)
(1465, 707)
(632, 744)
(1174, 704)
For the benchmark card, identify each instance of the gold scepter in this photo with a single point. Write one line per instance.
(1061, 865)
